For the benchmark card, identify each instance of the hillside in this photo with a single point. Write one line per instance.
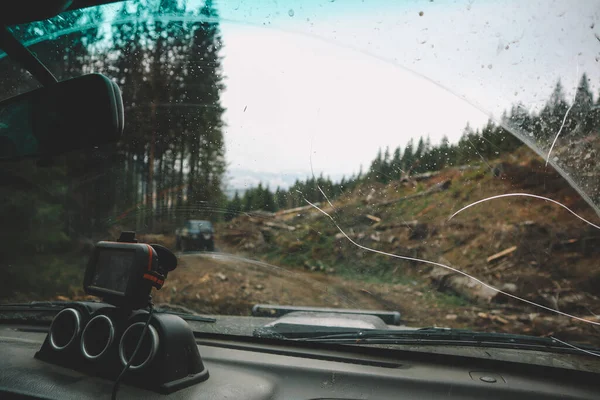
(525, 246)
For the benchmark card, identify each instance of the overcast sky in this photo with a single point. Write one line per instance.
(340, 79)
(334, 81)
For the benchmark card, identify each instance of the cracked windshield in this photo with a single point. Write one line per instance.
(432, 158)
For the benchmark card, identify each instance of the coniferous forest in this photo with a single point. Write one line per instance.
(172, 153)
(171, 156)
(578, 119)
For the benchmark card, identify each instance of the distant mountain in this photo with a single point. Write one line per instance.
(241, 180)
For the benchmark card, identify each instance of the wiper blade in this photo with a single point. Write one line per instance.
(434, 335)
(186, 317)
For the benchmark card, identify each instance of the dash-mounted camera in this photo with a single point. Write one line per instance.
(123, 273)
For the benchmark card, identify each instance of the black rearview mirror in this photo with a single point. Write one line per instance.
(79, 113)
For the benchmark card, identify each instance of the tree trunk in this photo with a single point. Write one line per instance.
(160, 187)
(140, 190)
(181, 183)
(174, 192)
(191, 187)
(150, 176)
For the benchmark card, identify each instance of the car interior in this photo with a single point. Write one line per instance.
(120, 346)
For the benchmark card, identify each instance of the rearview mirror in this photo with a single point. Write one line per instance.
(78, 113)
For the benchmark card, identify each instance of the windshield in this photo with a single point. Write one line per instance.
(432, 158)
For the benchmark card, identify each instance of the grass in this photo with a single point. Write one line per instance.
(375, 269)
(382, 276)
(476, 174)
(443, 299)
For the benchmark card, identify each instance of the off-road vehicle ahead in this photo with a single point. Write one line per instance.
(195, 235)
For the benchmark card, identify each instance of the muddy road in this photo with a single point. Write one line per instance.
(220, 283)
(228, 284)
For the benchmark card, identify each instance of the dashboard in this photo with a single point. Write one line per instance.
(254, 370)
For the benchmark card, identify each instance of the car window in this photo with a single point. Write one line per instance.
(427, 157)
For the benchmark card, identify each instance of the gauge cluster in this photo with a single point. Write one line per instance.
(99, 339)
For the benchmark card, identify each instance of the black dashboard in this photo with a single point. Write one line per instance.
(256, 370)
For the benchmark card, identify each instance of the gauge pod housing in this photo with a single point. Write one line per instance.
(98, 339)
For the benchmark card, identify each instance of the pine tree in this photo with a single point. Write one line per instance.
(430, 156)
(552, 116)
(248, 200)
(234, 207)
(343, 186)
(396, 165)
(520, 122)
(445, 154)
(465, 148)
(584, 100)
(420, 148)
(376, 165)
(280, 198)
(418, 156)
(268, 200)
(386, 167)
(203, 86)
(169, 71)
(582, 111)
(408, 157)
(594, 118)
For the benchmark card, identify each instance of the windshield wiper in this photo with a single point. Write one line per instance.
(448, 336)
(185, 316)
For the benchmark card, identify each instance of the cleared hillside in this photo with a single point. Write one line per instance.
(525, 246)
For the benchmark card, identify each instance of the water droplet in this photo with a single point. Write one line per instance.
(291, 12)
(489, 66)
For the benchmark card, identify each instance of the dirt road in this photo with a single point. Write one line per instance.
(219, 283)
(226, 284)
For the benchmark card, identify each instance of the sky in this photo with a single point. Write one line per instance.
(319, 86)
(331, 82)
